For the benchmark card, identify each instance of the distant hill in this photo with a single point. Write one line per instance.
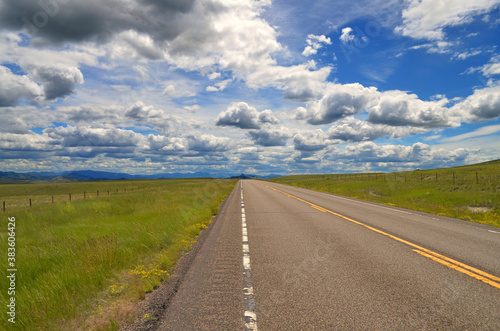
(13, 177)
(91, 175)
(87, 175)
(243, 176)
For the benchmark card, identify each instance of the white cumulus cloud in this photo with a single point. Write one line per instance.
(398, 108)
(347, 35)
(244, 116)
(314, 43)
(427, 19)
(14, 88)
(337, 102)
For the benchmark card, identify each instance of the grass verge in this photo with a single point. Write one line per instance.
(469, 193)
(85, 264)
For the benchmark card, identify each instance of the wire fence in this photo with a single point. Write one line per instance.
(16, 202)
(457, 178)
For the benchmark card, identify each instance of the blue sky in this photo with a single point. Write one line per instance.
(260, 87)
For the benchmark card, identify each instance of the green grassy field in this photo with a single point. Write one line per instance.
(85, 264)
(470, 192)
(17, 196)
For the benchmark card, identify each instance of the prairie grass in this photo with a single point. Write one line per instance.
(469, 193)
(17, 196)
(85, 264)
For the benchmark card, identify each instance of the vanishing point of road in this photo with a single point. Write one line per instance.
(285, 258)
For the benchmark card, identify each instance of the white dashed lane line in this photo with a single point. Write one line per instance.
(249, 298)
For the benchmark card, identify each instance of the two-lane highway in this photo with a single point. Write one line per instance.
(319, 261)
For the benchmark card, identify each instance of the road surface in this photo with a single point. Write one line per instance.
(285, 258)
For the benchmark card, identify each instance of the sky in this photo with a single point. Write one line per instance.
(248, 86)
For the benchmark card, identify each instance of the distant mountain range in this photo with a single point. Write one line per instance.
(91, 175)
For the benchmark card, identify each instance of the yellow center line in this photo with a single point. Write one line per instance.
(321, 209)
(467, 272)
(451, 263)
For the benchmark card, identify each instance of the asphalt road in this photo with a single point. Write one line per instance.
(295, 259)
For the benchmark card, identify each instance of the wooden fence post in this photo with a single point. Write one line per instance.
(70, 197)
(52, 198)
(477, 178)
(4, 206)
(30, 202)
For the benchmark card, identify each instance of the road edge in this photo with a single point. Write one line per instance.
(157, 301)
